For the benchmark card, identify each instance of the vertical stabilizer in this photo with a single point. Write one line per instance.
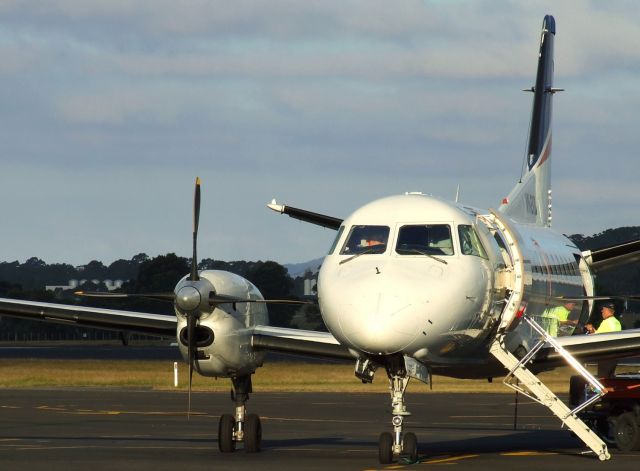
(530, 199)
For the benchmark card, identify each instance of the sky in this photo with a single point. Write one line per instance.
(109, 109)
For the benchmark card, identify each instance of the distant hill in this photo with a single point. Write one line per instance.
(298, 269)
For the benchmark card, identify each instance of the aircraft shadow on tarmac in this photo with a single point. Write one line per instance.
(560, 442)
(538, 441)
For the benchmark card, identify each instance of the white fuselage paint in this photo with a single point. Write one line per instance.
(386, 303)
(442, 314)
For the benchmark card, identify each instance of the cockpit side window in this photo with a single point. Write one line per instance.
(470, 242)
(366, 239)
(335, 241)
(425, 239)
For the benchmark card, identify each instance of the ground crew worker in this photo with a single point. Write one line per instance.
(609, 322)
(606, 368)
(558, 316)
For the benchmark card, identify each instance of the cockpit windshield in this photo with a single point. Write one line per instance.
(335, 241)
(470, 242)
(369, 239)
(425, 239)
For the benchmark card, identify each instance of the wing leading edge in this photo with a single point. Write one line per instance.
(592, 348)
(109, 319)
(294, 341)
(299, 342)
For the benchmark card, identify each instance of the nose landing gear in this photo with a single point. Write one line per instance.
(398, 443)
(242, 427)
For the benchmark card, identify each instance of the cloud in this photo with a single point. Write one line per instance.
(124, 105)
(325, 103)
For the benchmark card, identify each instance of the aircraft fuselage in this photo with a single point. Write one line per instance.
(431, 279)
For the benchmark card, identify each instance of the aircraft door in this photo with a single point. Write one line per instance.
(510, 272)
(589, 288)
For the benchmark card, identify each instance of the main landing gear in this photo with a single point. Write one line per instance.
(397, 443)
(242, 427)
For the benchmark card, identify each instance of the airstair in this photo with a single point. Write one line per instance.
(528, 384)
(520, 378)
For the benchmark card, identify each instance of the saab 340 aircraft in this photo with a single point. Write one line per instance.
(413, 285)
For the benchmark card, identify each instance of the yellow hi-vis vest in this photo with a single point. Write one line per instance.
(552, 318)
(610, 324)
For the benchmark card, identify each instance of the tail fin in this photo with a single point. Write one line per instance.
(530, 199)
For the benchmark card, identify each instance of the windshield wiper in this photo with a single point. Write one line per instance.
(420, 252)
(373, 249)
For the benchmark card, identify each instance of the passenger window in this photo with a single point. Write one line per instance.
(366, 239)
(429, 239)
(470, 242)
(335, 241)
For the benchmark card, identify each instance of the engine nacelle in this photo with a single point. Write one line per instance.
(223, 334)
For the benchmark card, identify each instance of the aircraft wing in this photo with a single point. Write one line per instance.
(278, 339)
(595, 347)
(110, 319)
(299, 342)
(612, 256)
(306, 216)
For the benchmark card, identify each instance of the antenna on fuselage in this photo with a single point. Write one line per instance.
(458, 193)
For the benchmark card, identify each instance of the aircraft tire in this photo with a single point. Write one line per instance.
(410, 447)
(226, 444)
(627, 432)
(252, 433)
(385, 448)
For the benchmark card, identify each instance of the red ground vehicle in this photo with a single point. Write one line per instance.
(616, 416)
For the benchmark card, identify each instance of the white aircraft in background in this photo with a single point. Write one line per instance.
(413, 284)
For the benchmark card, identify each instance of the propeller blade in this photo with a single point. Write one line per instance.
(190, 334)
(196, 222)
(222, 298)
(215, 299)
(155, 296)
(275, 301)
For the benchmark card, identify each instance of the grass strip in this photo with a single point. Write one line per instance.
(273, 377)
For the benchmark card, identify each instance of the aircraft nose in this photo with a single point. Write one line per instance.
(377, 319)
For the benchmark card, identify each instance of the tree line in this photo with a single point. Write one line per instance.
(622, 280)
(143, 275)
(160, 274)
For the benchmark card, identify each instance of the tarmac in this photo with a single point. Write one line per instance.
(107, 429)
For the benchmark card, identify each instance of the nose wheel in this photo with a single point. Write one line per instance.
(410, 447)
(398, 443)
(386, 447)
